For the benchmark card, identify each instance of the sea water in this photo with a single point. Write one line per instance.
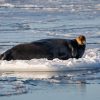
(23, 21)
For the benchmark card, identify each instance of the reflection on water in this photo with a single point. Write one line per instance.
(16, 83)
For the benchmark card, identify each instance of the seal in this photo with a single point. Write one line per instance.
(47, 48)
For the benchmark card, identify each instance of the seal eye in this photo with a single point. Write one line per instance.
(81, 40)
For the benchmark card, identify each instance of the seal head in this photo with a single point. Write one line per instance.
(81, 45)
(81, 40)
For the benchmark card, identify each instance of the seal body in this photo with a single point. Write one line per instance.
(46, 48)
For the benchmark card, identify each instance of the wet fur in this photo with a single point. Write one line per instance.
(46, 48)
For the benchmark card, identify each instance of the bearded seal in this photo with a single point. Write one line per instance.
(47, 48)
